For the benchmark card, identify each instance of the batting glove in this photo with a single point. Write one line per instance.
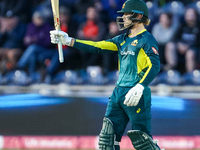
(133, 96)
(57, 36)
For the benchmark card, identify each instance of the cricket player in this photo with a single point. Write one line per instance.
(138, 66)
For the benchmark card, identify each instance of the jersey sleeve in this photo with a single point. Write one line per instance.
(96, 47)
(150, 62)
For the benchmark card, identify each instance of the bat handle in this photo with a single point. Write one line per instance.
(60, 52)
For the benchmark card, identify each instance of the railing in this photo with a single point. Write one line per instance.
(191, 92)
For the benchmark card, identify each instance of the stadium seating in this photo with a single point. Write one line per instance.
(171, 77)
(112, 77)
(192, 78)
(67, 76)
(35, 78)
(16, 77)
(175, 7)
(195, 5)
(153, 9)
(95, 76)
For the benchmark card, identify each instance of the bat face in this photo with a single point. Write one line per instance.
(55, 9)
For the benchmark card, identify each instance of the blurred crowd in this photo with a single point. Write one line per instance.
(27, 55)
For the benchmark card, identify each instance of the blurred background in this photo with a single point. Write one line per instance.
(48, 105)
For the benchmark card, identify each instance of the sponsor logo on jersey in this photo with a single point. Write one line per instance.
(127, 53)
(155, 50)
(122, 43)
(134, 43)
(138, 110)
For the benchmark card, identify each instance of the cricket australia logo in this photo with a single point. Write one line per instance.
(134, 43)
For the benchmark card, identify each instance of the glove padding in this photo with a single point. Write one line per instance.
(133, 96)
(61, 36)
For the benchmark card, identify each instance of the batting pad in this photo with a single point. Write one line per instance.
(142, 141)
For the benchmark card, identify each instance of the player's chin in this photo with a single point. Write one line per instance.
(126, 25)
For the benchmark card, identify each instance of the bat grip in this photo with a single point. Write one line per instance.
(60, 52)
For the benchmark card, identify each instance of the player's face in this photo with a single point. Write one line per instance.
(126, 19)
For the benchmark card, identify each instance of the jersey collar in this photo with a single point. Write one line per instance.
(142, 31)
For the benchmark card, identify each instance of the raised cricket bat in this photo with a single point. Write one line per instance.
(55, 9)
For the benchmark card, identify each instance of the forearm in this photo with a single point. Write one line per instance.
(94, 47)
(85, 45)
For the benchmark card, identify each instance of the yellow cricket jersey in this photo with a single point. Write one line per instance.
(138, 56)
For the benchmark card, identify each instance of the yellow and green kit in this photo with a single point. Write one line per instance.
(138, 63)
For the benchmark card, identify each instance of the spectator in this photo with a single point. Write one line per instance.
(110, 60)
(92, 29)
(12, 32)
(45, 8)
(164, 31)
(20, 8)
(183, 49)
(36, 42)
(80, 9)
(52, 59)
(66, 22)
(39, 49)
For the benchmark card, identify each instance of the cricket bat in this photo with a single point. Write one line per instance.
(55, 9)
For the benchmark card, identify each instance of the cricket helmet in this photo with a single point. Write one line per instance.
(134, 7)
